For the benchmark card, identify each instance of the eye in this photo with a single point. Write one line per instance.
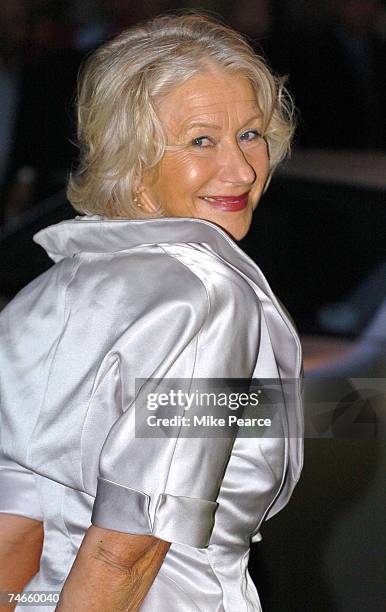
(251, 135)
(202, 142)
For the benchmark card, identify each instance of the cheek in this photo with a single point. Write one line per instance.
(186, 172)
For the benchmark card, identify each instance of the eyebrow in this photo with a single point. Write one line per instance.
(214, 126)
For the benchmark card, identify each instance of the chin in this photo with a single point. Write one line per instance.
(237, 230)
(236, 233)
(239, 235)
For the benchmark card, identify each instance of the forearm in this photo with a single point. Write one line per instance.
(21, 541)
(112, 572)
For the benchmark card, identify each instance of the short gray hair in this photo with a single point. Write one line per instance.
(119, 133)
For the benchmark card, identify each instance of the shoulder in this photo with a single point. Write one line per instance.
(223, 282)
(134, 281)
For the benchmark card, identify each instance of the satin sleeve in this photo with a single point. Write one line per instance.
(168, 486)
(18, 490)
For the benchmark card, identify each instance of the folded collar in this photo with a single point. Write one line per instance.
(96, 234)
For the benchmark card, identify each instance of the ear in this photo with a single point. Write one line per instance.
(147, 194)
(147, 200)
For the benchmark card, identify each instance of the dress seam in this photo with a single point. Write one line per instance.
(69, 540)
(75, 266)
(196, 342)
(115, 361)
(182, 591)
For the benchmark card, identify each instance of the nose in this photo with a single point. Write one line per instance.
(235, 167)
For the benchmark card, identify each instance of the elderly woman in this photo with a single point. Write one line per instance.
(180, 127)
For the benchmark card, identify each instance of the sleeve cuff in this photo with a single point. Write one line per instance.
(185, 520)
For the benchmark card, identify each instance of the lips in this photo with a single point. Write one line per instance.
(227, 203)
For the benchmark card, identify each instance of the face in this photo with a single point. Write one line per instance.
(217, 164)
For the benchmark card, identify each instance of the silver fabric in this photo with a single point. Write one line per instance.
(165, 298)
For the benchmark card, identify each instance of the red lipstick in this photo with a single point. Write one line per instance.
(227, 203)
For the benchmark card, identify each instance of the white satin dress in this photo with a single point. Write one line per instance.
(165, 298)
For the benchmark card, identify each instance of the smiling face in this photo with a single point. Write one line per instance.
(217, 165)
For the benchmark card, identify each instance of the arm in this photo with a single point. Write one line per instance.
(113, 571)
(21, 541)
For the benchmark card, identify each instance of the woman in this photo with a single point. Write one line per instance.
(180, 128)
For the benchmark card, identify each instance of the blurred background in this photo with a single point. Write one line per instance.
(319, 235)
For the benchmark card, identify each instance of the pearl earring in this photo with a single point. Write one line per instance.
(136, 201)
